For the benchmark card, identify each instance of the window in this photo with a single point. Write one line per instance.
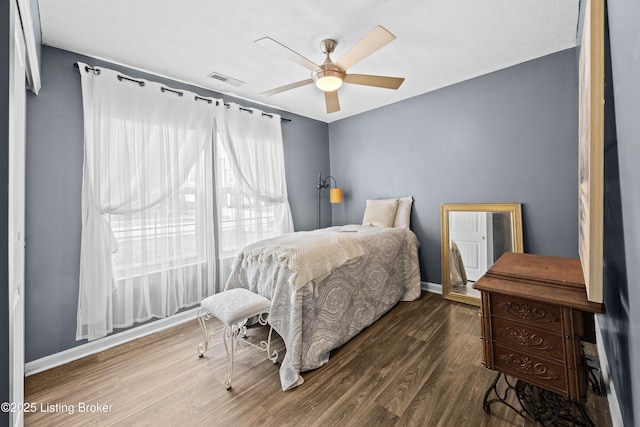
(149, 238)
(148, 247)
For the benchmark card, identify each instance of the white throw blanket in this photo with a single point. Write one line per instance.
(311, 255)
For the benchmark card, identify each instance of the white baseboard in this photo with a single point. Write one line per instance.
(612, 397)
(431, 287)
(106, 343)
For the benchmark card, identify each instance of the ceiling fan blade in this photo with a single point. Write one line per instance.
(284, 51)
(373, 41)
(287, 87)
(377, 81)
(331, 99)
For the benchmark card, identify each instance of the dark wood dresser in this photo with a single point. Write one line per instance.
(535, 312)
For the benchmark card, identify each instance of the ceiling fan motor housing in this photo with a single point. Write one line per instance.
(328, 70)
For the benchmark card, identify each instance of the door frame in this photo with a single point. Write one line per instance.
(23, 71)
(17, 144)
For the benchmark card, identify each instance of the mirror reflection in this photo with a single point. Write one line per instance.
(474, 236)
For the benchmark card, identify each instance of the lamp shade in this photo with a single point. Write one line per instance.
(335, 195)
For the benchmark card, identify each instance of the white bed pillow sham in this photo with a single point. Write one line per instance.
(403, 213)
(380, 213)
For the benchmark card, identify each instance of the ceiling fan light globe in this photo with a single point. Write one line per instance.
(328, 83)
(328, 78)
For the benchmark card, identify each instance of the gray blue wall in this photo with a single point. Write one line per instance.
(5, 39)
(54, 179)
(620, 326)
(509, 136)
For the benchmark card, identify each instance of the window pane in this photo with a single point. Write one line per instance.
(242, 218)
(162, 237)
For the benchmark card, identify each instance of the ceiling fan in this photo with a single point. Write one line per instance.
(329, 76)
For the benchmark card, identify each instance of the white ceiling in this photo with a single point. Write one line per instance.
(439, 42)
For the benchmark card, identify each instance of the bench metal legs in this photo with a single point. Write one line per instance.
(232, 334)
(204, 315)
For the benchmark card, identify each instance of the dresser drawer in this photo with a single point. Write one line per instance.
(531, 369)
(546, 316)
(528, 339)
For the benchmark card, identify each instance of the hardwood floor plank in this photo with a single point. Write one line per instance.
(371, 378)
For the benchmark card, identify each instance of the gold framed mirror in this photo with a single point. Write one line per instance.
(474, 236)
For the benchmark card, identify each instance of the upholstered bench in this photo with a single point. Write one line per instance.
(233, 308)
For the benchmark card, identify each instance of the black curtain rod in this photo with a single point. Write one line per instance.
(166, 89)
(96, 71)
(140, 82)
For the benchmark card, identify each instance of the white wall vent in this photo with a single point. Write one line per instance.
(217, 76)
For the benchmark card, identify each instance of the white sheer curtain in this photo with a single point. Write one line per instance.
(147, 245)
(251, 185)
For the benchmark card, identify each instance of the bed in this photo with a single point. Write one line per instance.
(327, 285)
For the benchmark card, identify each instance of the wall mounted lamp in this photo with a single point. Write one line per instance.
(335, 193)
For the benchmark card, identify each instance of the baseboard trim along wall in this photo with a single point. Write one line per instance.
(612, 397)
(108, 342)
(431, 287)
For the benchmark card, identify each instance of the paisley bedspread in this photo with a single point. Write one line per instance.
(320, 315)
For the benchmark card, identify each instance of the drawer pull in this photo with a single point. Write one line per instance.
(526, 365)
(526, 338)
(525, 311)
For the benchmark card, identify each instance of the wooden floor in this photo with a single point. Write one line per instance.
(419, 365)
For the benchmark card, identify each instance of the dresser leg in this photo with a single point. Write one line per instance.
(502, 395)
(486, 404)
(535, 404)
(549, 408)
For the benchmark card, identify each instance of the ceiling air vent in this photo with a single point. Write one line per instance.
(230, 80)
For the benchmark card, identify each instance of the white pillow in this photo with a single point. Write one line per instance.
(403, 213)
(380, 213)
